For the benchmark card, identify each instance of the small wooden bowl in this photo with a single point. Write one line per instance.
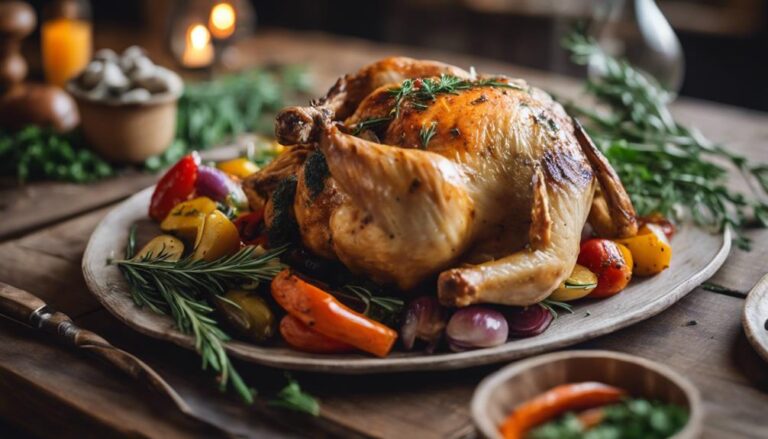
(128, 132)
(498, 394)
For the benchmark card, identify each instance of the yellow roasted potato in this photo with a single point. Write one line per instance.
(171, 247)
(580, 283)
(187, 218)
(651, 251)
(217, 238)
(240, 168)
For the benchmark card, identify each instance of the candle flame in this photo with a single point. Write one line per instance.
(199, 37)
(222, 20)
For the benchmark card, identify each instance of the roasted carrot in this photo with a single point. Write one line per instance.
(555, 402)
(300, 337)
(591, 418)
(326, 315)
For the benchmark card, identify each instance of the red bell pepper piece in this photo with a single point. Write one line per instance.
(177, 185)
(251, 228)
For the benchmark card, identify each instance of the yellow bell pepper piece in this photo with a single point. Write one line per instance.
(240, 168)
(168, 246)
(187, 218)
(651, 251)
(580, 283)
(217, 238)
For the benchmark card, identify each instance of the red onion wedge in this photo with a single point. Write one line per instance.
(476, 327)
(424, 320)
(217, 185)
(528, 321)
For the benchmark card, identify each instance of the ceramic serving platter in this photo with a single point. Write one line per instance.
(697, 255)
(755, 317)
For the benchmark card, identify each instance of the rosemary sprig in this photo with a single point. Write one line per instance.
(553, 305)
(421, 91)
(180, 289)
(426, 133)
(291, 397)
(370, 123)
(665, 166)
(380, 308)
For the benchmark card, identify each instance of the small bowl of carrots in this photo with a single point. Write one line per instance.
(567, 394)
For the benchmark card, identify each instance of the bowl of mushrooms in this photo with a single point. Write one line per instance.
(127, 105)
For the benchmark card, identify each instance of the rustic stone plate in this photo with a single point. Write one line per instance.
(755, 317)
(697, 255)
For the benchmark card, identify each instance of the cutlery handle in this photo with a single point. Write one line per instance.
(29, 309)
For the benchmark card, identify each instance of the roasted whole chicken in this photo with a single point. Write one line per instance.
(410, 171)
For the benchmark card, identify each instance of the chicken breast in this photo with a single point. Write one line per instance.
(424, 171)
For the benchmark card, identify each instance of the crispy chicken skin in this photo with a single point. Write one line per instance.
(492, 202)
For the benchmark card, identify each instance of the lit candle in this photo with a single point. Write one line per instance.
(198, 50)
(222, 20)
(66, 47)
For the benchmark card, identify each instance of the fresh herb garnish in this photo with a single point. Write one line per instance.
(291, 397)
(665, 166)
(553, 305)
(419, 92)
(426, 133)
(370, 123)
(380, 308)
(179, 289)
(631, 419)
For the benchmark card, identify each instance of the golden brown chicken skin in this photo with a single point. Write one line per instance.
(483, 183)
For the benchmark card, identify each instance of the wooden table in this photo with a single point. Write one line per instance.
(50, 390)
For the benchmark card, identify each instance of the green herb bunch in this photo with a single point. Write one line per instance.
(665, 166)
(182, 289)
(209, 113)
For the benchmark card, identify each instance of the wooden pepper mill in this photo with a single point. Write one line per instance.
(23, 103)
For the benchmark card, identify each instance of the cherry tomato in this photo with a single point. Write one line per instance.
(610, 261)
(251, 228)
(667, 227)
(177, 185)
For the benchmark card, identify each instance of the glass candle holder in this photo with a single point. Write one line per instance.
(66, 39)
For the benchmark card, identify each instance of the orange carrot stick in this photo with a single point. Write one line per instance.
(300, 337)
(321, 312)
(555, 402)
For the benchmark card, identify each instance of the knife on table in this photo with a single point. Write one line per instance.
(31, 311)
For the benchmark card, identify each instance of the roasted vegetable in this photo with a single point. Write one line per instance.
(580, 283)
(651, 251)
(528, 321)
(555, 402)
(240, 168)
(424, 320)
(217, 238)
(476, 327)
(217, 185)
(251, 228)
(656, 218)
(302, 338)
(248, 314)
(326, 315)
(165, 246)
(177, 185)
(610, 261)
(188, 217)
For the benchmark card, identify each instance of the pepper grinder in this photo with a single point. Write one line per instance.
(23, 103)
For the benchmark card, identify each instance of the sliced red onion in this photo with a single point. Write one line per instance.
(476, 327)
(528, 321)
(424, 320)
(217, 185)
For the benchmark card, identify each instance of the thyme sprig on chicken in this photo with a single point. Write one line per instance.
(419, 92)
(426, 133)
(665, 166)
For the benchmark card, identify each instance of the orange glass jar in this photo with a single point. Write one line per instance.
(66, 39)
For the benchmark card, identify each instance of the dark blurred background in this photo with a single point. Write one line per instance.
(724, 41)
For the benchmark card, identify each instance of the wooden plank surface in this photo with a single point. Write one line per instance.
(64, 392)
